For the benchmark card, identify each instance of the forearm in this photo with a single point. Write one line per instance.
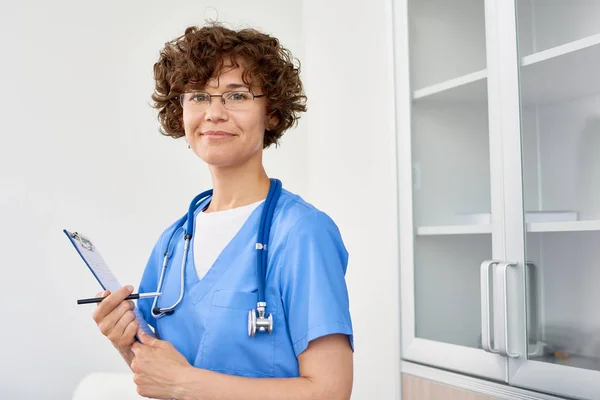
(200, 384)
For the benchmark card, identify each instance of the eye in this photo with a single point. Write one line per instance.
(199, 97)
(239, 96)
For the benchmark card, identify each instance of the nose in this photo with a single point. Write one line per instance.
(216, 111)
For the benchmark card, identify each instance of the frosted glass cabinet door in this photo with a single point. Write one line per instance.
(559, 52)
(449, 226)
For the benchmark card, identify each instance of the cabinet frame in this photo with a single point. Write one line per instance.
(507, 228)
(467, 360)
(523, 372)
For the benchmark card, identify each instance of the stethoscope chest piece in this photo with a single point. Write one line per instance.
(260, 322)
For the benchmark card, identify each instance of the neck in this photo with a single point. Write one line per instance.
(237, 186)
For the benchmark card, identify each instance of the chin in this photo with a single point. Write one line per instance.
(219, 159)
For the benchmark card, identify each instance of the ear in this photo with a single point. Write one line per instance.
(272, 121)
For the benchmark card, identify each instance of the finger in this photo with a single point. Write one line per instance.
(136, 347)
(146, 339)
(116, 334)
(108, 323)
(102, 294)
(137, 379)
(149, 340)
(106, 306)
(128, 337)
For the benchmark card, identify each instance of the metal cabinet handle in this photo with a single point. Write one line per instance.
(486, 325)
(504, 350)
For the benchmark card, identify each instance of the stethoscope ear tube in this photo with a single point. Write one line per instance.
(159, 312)
(192, 209)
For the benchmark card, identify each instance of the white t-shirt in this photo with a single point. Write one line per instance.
(214, 231)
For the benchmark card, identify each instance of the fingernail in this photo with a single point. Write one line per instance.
(130, 288)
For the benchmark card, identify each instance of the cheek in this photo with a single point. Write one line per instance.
(190, 125)
(254, 126)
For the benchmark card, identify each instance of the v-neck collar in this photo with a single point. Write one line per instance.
(198, 288)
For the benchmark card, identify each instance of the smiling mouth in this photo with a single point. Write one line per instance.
(217, 134)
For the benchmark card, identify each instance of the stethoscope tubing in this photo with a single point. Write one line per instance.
(264, 230)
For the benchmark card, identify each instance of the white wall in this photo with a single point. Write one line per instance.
(79, 149)
(349, 75)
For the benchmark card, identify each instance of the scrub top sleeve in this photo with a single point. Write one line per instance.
(312, 281)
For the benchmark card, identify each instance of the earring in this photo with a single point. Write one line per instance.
(189, 146)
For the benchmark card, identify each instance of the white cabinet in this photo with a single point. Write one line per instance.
(498, 123)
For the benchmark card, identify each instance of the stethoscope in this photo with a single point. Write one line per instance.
(258, 320)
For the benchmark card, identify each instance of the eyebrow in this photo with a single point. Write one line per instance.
(230, 86)
(236, 86)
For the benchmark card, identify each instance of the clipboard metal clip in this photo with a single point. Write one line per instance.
(85, 243)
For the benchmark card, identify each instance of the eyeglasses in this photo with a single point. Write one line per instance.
(200, 101)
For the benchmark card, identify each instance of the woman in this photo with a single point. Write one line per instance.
(233, 94)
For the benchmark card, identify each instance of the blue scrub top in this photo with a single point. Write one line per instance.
(305, 292)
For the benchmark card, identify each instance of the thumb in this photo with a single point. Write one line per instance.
(146, 339)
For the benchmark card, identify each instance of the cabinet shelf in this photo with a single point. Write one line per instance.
(470, 87)
(533, 227)
(454, 230)
(572, 69)
(571, 226)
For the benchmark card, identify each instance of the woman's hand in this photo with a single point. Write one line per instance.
(115, 318)
(158, 367)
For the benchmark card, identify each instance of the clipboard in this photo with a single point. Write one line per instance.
(95, 263)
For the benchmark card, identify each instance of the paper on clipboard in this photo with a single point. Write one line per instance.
(92, 258)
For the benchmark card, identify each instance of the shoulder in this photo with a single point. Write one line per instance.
(305, 241)
(168, 232)
(295, 218)
(294, 212)
(160, 245)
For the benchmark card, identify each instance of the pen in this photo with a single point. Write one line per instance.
(133, 296)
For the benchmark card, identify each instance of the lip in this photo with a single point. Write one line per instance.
(217, 134)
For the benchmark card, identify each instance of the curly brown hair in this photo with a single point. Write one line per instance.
(192, 59)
